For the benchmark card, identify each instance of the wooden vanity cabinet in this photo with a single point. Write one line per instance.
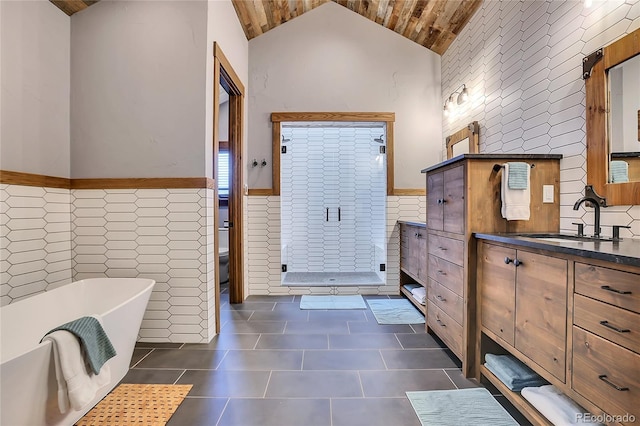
(463, 196)
(574, 321)
(524, 303)
(413, 258)
(606, 338)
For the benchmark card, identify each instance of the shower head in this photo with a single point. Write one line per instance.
(379, 140)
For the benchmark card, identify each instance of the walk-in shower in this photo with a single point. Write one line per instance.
(333, 203)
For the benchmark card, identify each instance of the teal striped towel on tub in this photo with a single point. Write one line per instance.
(93, 339)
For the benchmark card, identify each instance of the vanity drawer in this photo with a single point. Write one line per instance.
(446, 273)
(606, 374)
(445, 327)
(445, 299)
(608, 285)
(620, 326)
(447, 248)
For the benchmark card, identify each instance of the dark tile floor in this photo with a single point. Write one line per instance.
(274, 364)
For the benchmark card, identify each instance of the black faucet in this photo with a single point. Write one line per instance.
(596, 201)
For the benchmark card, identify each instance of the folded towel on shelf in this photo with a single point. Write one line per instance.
(411, 286)
(619, 171)
(558, 408)
(514, 374)
(515, 202)
(518, 175)
(94, 340)
(77, 386)
(420, 294)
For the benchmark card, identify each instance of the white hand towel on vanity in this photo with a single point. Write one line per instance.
(515, 202)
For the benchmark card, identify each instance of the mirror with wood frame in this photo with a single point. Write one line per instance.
(612, 81)
(464, 141)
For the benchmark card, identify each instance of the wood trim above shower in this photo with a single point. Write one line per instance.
(333, 116)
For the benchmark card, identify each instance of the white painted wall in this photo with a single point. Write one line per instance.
(522, 63)
(138, 93)
(34, 135)
(332, 59)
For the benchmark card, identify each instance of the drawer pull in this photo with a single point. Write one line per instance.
(441, 272)
(603, 377)
(442, 299)
(614, 328)
(442, 248)
(517, 262)
(613, 290)
(508, 260)
(441, 323)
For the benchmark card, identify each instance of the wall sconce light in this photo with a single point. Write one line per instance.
(457, 97)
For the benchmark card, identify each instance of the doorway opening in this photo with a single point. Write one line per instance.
(228, 117)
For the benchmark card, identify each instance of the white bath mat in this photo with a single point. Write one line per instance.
(332, 302)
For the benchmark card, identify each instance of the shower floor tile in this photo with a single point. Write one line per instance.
(331, 279)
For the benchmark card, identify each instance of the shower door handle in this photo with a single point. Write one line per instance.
(327, 220)
(339, 214)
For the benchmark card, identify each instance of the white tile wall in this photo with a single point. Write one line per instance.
(521, 61)
(35, 240)
(163, 234)
(263, 255)
(332, 168)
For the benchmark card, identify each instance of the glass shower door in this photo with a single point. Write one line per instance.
(333, 205)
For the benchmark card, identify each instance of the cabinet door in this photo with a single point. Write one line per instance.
(435, 195)
(541, 310)
(421, 255)
(498, 287)
(413, 259)
(453, 212)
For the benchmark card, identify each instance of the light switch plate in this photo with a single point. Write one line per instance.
(547, 193)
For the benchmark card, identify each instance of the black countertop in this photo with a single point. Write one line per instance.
(625, 154)
(624, 252)
(497, 157)
(407, 222)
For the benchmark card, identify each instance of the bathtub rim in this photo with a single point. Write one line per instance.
(148, 287)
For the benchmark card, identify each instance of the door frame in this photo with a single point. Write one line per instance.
(225, 75)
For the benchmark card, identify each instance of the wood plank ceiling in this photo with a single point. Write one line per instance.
(72, 6)
(433, 24)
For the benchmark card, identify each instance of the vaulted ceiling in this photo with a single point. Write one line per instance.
(433, 24)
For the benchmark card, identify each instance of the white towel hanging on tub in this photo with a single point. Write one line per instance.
(77, 385)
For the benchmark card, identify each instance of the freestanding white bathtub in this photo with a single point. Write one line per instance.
(28, 391)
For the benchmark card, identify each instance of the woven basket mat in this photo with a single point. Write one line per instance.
(131, 404)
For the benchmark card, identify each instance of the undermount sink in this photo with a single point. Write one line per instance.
(561, 238)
